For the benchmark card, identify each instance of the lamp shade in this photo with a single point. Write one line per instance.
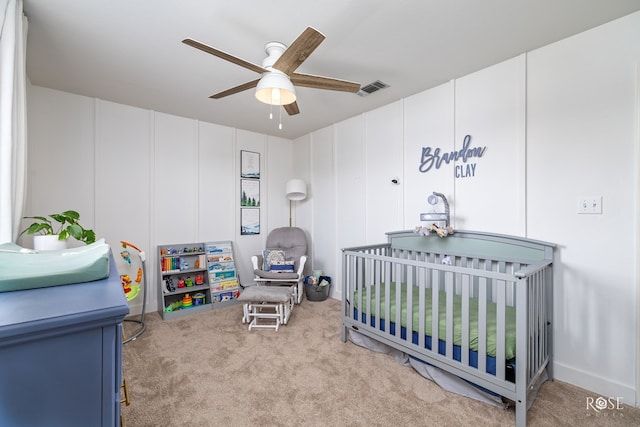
(275, 88)
(296, 189)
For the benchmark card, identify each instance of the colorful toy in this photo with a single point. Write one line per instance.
(126, 283)
(199, 279)
(176, 305)
(181, 282)
(184, 265)
(188, 281)
(187, 301)
(126, 256)
(198, 299)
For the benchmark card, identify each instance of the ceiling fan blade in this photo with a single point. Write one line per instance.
(224, 55)
(319, 82)
(236, 89)
(299, 50)
(292, 109)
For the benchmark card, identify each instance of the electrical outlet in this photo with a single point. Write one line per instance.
(590, 205)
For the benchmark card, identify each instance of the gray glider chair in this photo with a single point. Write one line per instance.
(283, 260)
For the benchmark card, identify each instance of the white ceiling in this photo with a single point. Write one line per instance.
(130, 51)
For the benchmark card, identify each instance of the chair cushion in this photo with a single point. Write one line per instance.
(291, 240)
(275, 275)
(266, 294)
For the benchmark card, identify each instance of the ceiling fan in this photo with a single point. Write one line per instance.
(276, 86)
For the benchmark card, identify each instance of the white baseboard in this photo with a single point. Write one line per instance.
(601, 387)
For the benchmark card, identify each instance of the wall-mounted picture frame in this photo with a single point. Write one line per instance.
(249, 164)
(250, 193)
(249, 221)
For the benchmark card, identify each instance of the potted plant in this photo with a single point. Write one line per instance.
(58, 228)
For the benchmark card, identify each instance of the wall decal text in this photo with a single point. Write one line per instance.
(434, 158)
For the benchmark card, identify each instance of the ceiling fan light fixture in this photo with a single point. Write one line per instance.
(275, 88)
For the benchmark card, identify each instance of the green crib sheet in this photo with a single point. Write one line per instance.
(510, 331)
(22, 268)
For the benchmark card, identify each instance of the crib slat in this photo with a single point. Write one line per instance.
(500, 328)
(483, 285)
(465, 321)
(357, 283)
(367, 282)
(409, 290)
(398, 285)
(421, 308)
(387, 295)
(435, 311)
(449, 311)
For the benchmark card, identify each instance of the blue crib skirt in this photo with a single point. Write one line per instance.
(457, 350)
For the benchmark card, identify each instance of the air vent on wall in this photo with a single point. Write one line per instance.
(372, 87)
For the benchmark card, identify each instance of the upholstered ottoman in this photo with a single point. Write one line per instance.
(267, 306)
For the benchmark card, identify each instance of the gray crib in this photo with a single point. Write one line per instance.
(492, 296)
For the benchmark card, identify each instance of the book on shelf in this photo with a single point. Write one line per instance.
(218, 248)
(215, 276)
(224, 285)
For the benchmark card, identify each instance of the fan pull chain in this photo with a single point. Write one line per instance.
(280, 124)
(270, 111)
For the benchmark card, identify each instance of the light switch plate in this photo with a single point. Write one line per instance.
(590, 205)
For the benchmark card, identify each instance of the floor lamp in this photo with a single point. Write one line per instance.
(296, 189)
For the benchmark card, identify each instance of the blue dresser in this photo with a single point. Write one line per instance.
(61, 354)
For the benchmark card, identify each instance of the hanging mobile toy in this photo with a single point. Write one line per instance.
(127, 264)
(126, 256)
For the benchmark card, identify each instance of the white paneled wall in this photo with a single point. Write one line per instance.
(64, 127)
(216, 177)
(176, 184)
(428, 122)
(303, 218)
(582, 140)
(490, 190)
(276, 204)
(324, 201)
(123, 145)
(383, 155)
(350, 167)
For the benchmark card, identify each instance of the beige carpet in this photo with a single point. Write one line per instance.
(208, 370)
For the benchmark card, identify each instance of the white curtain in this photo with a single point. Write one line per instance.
(13, 117)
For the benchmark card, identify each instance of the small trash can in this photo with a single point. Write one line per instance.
(317, 289)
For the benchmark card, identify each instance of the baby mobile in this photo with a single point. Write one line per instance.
(131, 263)
(131, 290)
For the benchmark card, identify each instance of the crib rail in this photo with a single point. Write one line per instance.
(377, 279)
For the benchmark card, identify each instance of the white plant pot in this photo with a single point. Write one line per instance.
(48, 243)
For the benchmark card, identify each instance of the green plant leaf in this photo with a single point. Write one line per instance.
(71, 214)
(89, 236)
(75, 230)
(41, 218)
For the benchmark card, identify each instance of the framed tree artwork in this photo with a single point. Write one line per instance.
(250, 193)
